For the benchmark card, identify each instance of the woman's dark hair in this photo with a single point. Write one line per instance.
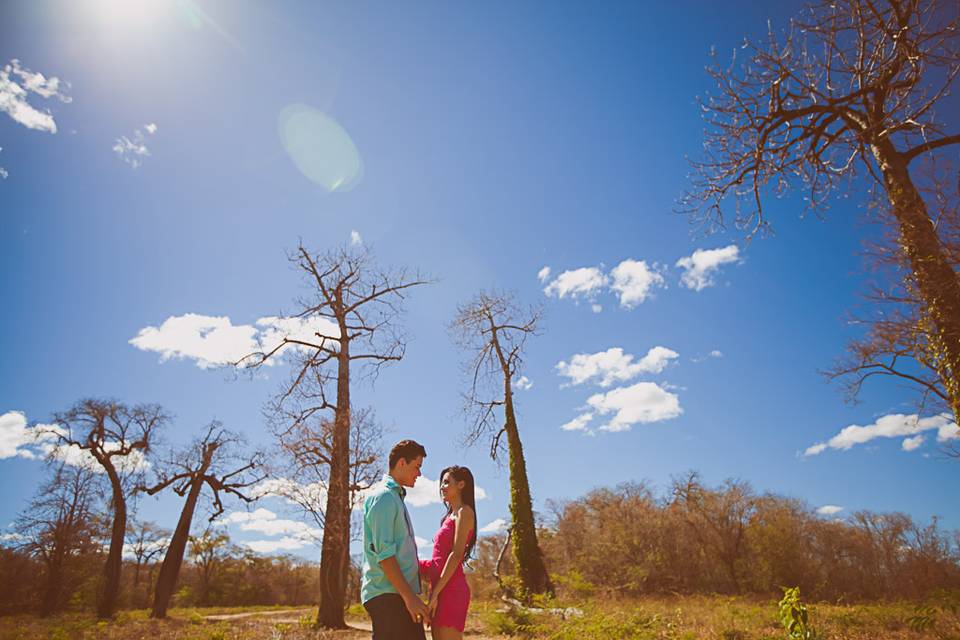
(467, 497)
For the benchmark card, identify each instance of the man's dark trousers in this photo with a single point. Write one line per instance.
(391, 620)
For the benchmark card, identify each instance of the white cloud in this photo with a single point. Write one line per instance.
(909, 444)
(579, 423)
(423, 543)
(133, 150)
(613, 365)
(14, 92)
(15, 436)
(214, 341)
(716, 353)
(641, 403)
(272, 546)
(596, 308)
(40, 441)
(426, 492)
(891, 426)
(266, 522)
(12, 538)
(543, 274)
(4, 173)
(829, 510)
(634, 282)
(497, 526)
(701, 267)
(585, 282)
(355, 238)
(153, 546)
(522, 383)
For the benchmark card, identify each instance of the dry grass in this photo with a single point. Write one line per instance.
(680, 618)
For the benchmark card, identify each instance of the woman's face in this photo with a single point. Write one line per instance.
(449, 487)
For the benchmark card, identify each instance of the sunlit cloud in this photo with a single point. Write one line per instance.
(355, 239)
(634, 281)
(496, 526)
(579, 423)
(523, 383)
(829, 510)
(320, 148)
(700, 269)
(213, 341)
(609, 367)
(134, 149)
(896, 425)
(585, 282)
(16, 85)
(41, 441)
(641, 403)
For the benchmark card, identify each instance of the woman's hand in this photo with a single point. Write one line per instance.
(434, 602)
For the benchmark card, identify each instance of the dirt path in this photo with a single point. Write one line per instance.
(293, 616)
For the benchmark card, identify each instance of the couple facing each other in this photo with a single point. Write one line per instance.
(392, 572)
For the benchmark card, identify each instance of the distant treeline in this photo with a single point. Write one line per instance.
(227, 575)
(626, 540)
(731, 540)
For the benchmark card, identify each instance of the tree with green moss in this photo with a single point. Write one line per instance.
(492, 330)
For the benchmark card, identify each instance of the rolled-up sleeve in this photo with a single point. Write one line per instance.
(381, 519)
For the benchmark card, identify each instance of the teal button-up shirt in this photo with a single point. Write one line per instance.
(387, 532)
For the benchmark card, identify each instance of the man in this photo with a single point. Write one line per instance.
(390, 586)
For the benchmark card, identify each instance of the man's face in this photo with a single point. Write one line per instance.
(406, 473)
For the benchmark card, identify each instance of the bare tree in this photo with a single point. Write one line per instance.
(900, 341)
(492, 330)
(60, 524)
(306, 447)
(214, 461)
(145, 541)
(354, 306)
(719, 520)
(852, 85)
(117, 437)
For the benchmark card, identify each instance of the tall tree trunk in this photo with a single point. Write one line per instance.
(336, 530)
(53, 586)
(526, 551)
(173, 558)
(107, 602)
(938, 283)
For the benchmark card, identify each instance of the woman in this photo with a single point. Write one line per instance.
(454, 542)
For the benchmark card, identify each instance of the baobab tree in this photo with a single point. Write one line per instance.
(492, 330)
(853, 88)
(305, 446)
(214, 461)
(355, 306)
(58, 527)
(900, 342)
(116, 438)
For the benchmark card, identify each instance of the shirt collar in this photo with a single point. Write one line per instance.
(394, 486)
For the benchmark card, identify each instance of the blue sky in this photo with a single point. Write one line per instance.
(495, 140)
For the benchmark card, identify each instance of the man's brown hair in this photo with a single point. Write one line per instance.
(409, 450)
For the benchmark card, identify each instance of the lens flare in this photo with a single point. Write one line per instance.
(320, 148)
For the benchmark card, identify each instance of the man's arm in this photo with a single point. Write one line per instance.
(381, 518)
(391, 569)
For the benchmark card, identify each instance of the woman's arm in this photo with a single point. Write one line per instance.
(461, 536)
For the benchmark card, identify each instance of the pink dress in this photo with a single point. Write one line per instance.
(454, 600)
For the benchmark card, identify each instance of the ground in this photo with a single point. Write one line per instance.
(670, 618)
